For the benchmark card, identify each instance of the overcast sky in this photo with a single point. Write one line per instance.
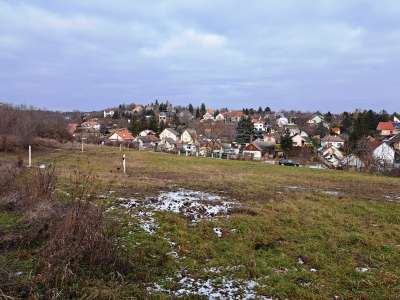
(309, 54)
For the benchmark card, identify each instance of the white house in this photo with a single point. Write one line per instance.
(333, 156)
(147, 132)
(169, 133)
(352, 161)
(220, 117)
(91, 124)
(384, 155)
(282, 121)
(315, 120)
(299, 141)
(108, 113)
(208, 117)
(189, 136)
(121, 135)
(332, 140)
(167, 144)
(259, 126)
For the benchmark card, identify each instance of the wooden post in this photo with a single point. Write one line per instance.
(30, 156)
(120, 147)
(81, 145)
(124, 163)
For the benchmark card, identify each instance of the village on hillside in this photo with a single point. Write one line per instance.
(362, 140)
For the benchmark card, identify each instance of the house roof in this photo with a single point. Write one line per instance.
(148, 139)
(385, 126)
(394, 139)
(262, 145)
(231, 114)
(124, 134)
(173, 131)
(90, 123)
(333, 139)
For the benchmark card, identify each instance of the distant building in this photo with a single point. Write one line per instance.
(208, 117)
(220, 117)
(91, 124)
(315, 120)
(259, 150)
(163, 117)
(336, 130)
(233, 116)
(169, 133)
(189, 136)
(387, 128)
(332, 140)
(121, 135)
(147, 132)
(109, 113)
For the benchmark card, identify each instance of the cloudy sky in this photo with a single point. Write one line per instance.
(309, 54)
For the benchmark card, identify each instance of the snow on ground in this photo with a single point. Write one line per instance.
(194, 205)
(221, 288)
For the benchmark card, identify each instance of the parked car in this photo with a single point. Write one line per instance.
(288, 162)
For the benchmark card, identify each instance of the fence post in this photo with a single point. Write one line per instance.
(30, 156)
(124, 163)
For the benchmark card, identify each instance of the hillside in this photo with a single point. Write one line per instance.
(191, 226)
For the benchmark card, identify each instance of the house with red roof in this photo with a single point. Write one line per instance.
(121, 135)
(387, 128)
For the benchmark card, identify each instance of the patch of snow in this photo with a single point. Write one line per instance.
(362, 269)
(300, 261)
(295, 187)
(218, 232)
(331, 193)
(313, 270)
(194, 205)
(222, 288)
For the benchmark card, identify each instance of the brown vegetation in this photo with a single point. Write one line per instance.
(19, 126)
(71, 235)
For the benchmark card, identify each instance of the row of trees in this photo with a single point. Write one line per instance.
(22, 124)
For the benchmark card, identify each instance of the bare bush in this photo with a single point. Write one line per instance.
(82, 241)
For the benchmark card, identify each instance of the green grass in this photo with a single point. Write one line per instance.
(336, 234)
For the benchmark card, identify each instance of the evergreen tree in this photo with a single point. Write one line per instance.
(203, 109)
(286, 142)
(198, 113)
(175, 121)
(152, 124)
(135, 126)
(260, 110)
(267, 110)
(244, 131)
(161, 127)
(191, 109)
(321, 130)
(347, 122)
(328, 117)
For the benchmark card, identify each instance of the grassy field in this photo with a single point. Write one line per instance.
(301, 233)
